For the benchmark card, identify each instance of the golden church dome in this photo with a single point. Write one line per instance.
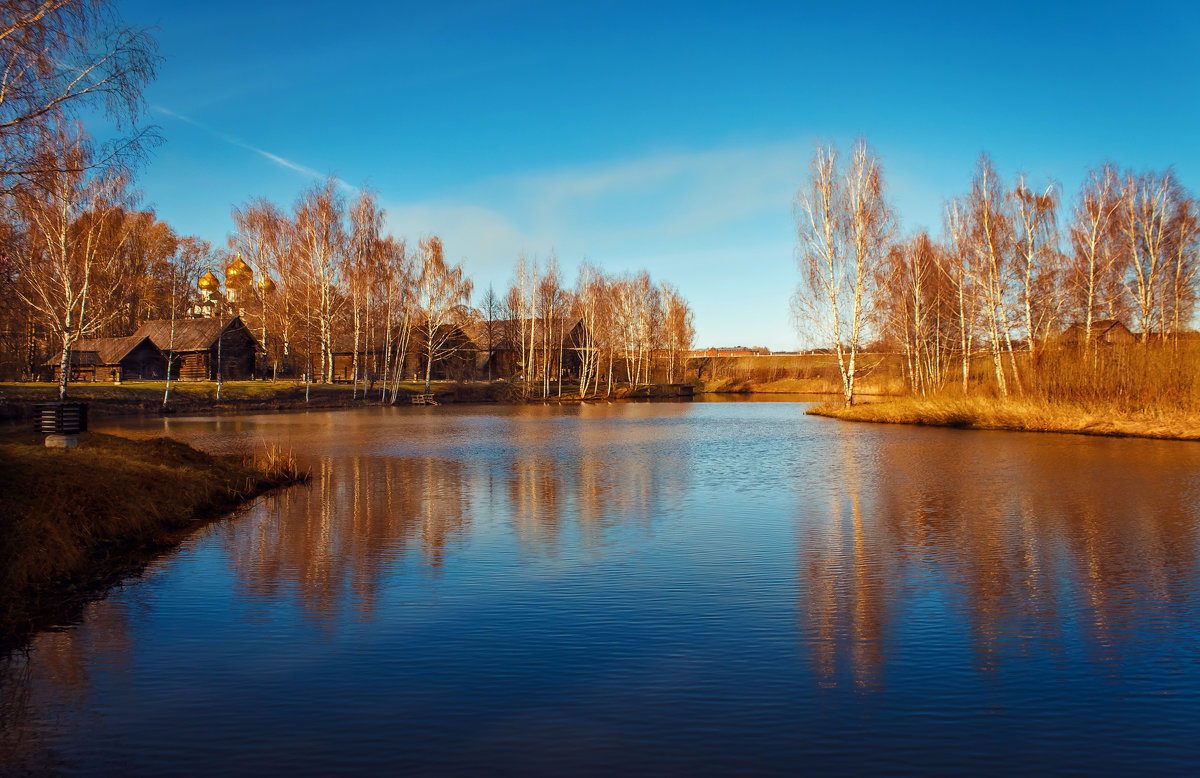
(209, 282)
(266, 284)
(238, 272)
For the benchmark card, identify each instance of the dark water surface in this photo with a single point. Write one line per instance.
(677, 589)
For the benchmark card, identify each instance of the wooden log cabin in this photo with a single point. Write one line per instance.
(370, 361)
(455, 357)
(1110, 331)
(131, 358)
(498, 346)
(199, 348)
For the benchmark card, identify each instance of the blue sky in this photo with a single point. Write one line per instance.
(670, 136)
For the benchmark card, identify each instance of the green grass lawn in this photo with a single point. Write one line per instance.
(135, 397)
(231, 390)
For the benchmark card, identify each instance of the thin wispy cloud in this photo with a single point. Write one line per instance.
(673, 197)
(666, 196)
(620, 207)
(235, 141)
(489, 239)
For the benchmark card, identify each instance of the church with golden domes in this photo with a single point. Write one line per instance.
(239, 290)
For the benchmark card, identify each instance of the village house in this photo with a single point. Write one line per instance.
(455, 358)
(498, 345)
(1103, 331)
(370, 360)
(131, 358)
(199, 349)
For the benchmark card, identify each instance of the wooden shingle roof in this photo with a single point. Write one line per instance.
(87, 352)
(506, 333)
(190, 334)
(1100, 328)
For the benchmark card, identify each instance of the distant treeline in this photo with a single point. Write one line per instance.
(317, 281)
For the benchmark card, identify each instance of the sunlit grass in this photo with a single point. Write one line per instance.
(877, 374)
(201, 396)
(1019, 414)
(181, 390)
(207, 390)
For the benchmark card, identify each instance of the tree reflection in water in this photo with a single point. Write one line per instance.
(1039, 546)
(335, 543)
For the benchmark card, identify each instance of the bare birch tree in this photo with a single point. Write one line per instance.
(59, 58)
(522, 306)
(1143, 222)
(914, 307)
(398, 292)
(441, 291)
(69, 261)
(990, 241)
(320, 240)
(843, 225)
(958, 271)
(1036, 236)
(678, 327)
(366, 222)
(550, 307)
(1092, 231)
(1185, 264)
(589, 293)
(259, 240)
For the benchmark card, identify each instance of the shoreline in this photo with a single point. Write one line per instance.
(145, 399)
(76, 522)
(882, 406)
(1015, 416)
(187, 398)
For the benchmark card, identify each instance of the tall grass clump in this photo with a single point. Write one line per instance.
(276, 463)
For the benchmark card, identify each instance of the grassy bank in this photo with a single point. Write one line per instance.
(75, 521)
(987, 413)
(189, 397)
(145, 397)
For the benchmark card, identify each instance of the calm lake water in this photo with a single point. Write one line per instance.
(683, 589)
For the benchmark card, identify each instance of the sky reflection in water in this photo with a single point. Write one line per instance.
(653, 588)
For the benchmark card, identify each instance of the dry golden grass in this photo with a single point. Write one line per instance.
(878, 374)
(867, 387)
(1131, 378)
(1130, 390)
(72, 518)
(990, 413)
